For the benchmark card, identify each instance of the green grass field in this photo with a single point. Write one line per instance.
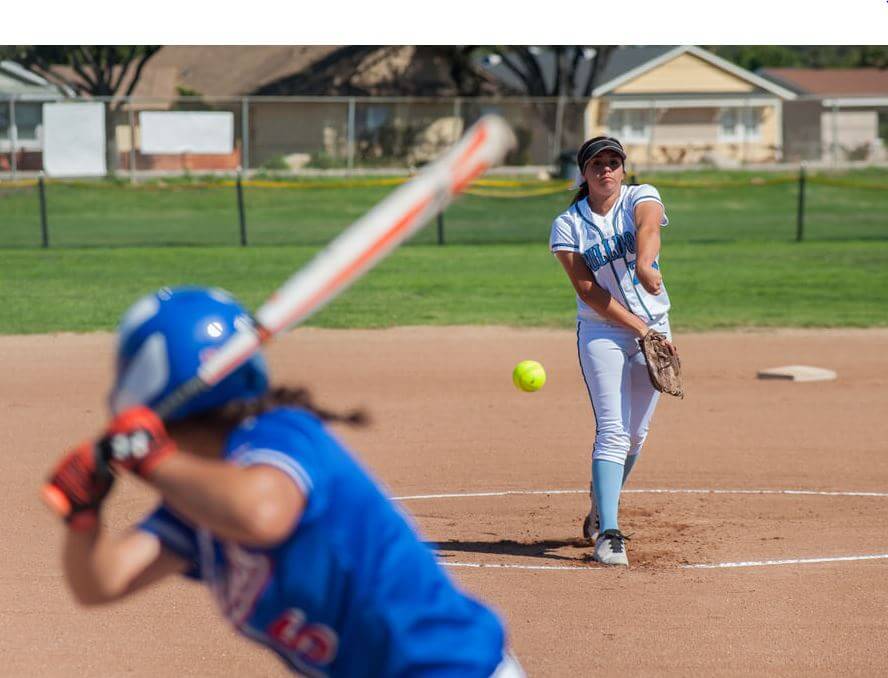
(729, 255)
(734, 206)
(712, 285)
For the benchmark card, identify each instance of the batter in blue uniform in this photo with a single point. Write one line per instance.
(608, 242)
(302, 551)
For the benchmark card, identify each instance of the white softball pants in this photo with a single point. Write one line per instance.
(623, 399)
(509, 668)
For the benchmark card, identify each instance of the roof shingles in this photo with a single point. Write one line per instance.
(831, 81)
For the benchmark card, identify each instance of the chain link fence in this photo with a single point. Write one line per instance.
(299, 134)
(340, 135)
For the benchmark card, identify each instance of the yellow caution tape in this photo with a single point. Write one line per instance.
(482, 188)
(845, 183)
(333, 185)
(18, 183)
(562, 189)
(730, 183)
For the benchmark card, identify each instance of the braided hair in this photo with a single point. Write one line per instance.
(232, 414)
(581, 194)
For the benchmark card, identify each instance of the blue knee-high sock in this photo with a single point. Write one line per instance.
(608, 479)
(627, 467)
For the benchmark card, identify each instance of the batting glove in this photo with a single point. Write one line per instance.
(136, 440)
(77, 487)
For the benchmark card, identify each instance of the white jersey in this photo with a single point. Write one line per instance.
(608, 246)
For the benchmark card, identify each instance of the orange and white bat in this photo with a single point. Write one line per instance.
(356, 250)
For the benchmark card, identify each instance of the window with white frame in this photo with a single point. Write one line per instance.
(739, 124)
(28, 120)
(630, 125)
(28, 124)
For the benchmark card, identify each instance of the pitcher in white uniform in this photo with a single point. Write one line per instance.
(608, 241)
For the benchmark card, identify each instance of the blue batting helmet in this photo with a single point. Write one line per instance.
(164, 337)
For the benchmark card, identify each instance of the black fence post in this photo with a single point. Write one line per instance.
(800, 215)
(240, 210)
(440, 228)
(44, 228)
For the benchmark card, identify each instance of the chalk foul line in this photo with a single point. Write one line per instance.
(695, 566)
(511, 566)
(687, 566)
(786, 561)
(507, 493)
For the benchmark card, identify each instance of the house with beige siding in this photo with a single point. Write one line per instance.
(685, 105)
(840, 114)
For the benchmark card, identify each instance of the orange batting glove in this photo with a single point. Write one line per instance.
(77, 487)
(137, 441)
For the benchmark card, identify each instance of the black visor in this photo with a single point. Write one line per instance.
(592, 148)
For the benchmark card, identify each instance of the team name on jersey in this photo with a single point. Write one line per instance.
(238, 586)
(615, 247)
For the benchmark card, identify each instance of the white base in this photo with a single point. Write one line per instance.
(797, 373)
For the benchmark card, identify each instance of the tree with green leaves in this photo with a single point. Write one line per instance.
(754, 57)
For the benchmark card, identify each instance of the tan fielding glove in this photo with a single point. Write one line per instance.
(664, 366)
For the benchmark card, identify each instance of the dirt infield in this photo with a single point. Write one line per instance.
(447, 420)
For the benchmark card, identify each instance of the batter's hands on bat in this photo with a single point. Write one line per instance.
(136, 441)
(77, 487)
(650, 278)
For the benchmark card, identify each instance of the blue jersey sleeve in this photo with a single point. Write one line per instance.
(645, 193)
(280, 460)
(176, 536)
(292, 442)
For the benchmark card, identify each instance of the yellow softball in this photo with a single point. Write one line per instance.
(529, 375)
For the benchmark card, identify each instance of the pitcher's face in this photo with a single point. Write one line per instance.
(604, 173)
